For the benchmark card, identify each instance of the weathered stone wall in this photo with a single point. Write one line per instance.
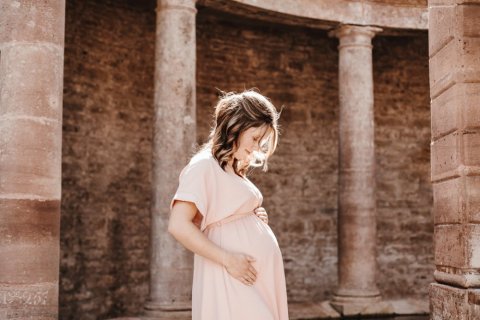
(454, 49)
(107, 138)
(108, 114)
(298, 68)
(402, 141)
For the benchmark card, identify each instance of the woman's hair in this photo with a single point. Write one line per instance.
(234, 114)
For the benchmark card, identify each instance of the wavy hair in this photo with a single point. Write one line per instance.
(235, 113)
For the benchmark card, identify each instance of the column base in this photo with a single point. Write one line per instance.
(167, 315)
(366, 305)
(156, 311)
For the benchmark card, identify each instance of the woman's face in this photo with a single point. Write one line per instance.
(249, 141)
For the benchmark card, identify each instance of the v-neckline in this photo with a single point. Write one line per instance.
(236, 175)
(229, 173)
(247, 183)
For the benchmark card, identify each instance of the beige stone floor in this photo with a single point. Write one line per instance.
(404, 309)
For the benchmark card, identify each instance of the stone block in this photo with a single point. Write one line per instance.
(30, 162)
(449, 201)
(457, 200)
(458, 61)
(469, 96)
(32, 21)
(449, 246)
(469, 19)
(471, 147)
(31, 81)
(442, 70)
(29, 247)
(452, 21)
(25, 301)
(456, 108)
(447, 302)
(445, 111)
(469, 59)
(29, 221)
(445, 154)
(457, 245)
(441, 27)
(472, 198)
(29, 262)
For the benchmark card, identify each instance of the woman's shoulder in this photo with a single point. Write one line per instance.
(203, 157)
(202, 161)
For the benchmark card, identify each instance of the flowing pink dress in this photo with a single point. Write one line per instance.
(226, 202)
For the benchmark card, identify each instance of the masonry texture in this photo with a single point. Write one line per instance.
(107, 151)
(31, 82)
(454, 49)
(402, 142)
(107, 143)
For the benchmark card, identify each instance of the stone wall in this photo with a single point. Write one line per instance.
(108, 112)
(107, 135)
(454, 48)
(402, 141)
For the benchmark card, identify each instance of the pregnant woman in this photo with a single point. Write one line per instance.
(216, 213)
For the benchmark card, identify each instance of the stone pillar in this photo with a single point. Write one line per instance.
(454, 51)
(356, 194)
(171, 266)
(31, 91)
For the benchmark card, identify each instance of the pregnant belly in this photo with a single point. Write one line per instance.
(248, 235)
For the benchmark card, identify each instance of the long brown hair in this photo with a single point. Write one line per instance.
(235, 113)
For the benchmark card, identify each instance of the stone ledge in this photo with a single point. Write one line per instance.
(323, 310)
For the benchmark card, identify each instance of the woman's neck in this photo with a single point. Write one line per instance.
(230, 166)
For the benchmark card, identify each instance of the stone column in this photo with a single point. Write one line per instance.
(356, 194)
(454, 50)
(171, 266)
(31, 91)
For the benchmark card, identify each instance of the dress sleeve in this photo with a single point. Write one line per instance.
(194, 183)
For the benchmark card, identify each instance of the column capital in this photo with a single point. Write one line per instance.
(354, 35)
(176, 5)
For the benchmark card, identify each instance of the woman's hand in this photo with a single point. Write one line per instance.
(262, 214)
(240, 267)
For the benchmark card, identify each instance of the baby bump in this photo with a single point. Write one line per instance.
(249, 235)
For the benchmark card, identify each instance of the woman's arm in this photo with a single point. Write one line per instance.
(183, 229)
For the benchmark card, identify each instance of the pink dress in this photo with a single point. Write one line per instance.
(226, 202)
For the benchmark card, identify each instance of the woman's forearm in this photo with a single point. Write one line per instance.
(194, 240)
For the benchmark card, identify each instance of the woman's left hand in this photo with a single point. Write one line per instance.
(262, 214)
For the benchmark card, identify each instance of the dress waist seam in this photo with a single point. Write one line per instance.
(230, 218)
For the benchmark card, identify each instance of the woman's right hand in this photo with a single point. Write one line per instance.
(240, 267)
